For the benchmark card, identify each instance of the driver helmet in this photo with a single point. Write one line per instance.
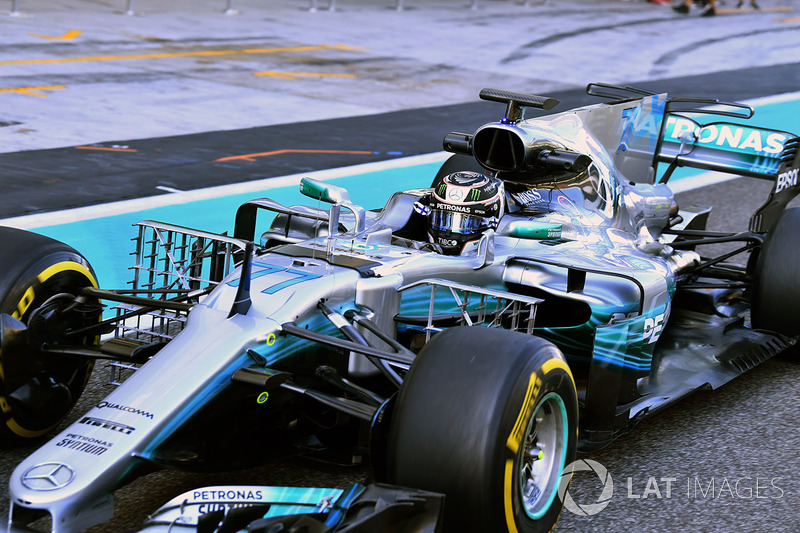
(462, 206)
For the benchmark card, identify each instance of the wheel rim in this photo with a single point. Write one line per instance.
(52, 289)
(543, 456)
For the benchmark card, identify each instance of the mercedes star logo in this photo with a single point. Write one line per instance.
(455, 194)
(47, 476)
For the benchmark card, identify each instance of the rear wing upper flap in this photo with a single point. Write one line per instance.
(708, 106)
(616, 93)
(683, 104)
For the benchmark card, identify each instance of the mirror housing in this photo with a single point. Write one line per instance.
(323, 191)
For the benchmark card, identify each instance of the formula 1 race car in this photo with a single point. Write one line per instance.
(543, 296)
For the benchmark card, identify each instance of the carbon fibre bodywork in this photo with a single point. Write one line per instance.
(323, 316)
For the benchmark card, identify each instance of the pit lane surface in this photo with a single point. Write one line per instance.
(118, 98)
(717, 461)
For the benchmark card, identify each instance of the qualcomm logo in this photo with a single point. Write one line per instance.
(47, 476)
(603, 500)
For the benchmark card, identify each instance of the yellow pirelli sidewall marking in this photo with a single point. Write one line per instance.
(508, 479)
(63, 266)
(558, 363)
(513, 443)
(515, 438)
(24, 303)
(552, 364)
(22, 306)
(22, 432)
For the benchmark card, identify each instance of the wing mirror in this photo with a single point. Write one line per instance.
(339, 197)
(324, 191)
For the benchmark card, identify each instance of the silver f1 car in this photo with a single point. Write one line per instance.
(544, 296)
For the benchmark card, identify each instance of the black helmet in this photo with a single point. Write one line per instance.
(463, 205)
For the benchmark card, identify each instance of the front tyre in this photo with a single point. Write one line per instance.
(38, 278)
(489, 418)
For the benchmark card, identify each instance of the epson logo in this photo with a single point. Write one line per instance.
(785, 180)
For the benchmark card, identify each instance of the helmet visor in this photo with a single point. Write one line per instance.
(456, 222)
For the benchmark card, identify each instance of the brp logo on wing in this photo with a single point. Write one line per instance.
(588, 509)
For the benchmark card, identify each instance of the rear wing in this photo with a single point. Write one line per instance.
(675, 131)
(735, 149)
(726, 147)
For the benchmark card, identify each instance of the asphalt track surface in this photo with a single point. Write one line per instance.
(719, 461)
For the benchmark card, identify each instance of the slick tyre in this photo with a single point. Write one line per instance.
(38, 390)
(489, 418)
(776, 285)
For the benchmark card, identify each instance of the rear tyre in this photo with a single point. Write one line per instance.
(776, 286)
(38, 277)
(489, 418)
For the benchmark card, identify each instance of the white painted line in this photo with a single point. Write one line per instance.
(168, 189)
(774, 99)
(139, 204)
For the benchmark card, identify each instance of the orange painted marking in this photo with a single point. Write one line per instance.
(294, 75)
(106, 149)
(205, 53)
(31, 91)
(71, 34)
(253, 157)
